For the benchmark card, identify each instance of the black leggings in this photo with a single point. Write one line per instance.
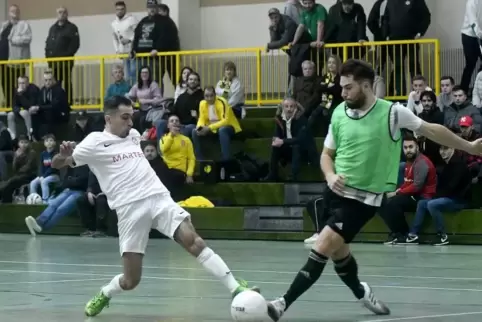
(472, 54)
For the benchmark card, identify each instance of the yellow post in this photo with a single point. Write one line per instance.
(178, 66)
(437, 66)
(31, 71)
(102, 85)
(258, 77)
(345, 53)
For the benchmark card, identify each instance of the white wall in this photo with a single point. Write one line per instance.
(230, 26)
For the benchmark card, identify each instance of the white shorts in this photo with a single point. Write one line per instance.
(135, 221)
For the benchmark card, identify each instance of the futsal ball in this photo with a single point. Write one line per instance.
(249, 306)
(34, 199)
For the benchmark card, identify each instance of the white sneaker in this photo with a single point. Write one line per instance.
(276, 308)
(32, 226)
(312, 239)
(372, 303)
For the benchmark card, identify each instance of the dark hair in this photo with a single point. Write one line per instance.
(359, 69)
(182, 71)
(112, 104)
(48, 136)
(458, 88)
(430, 94)
(120, 4)
(164, 7)
(450, 78)
(408, 136)
(139, 79)
(210, 88)
(419, 77)
(23, 137)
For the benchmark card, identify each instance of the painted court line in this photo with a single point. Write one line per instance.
(447, 278)
(413, 318)
(183, 279)
(53, 281)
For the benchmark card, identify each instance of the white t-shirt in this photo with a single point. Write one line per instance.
(123, 172)
(400, 118)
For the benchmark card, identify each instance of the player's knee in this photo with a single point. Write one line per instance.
(130, 282)
(328, 242)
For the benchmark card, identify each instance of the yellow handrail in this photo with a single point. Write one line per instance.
(264, 75)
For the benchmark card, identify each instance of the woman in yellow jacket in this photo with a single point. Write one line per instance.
(215, 117)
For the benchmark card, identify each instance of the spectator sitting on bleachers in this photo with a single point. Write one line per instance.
(83, 126)
(120, 86)
(474, 162)
(6, 150)
(26, 96)
(215, 117)
(431, 114)
(446, 98)
(178, 155)
(292, 141)
(147, 93)
(348, 23)
(232, 90)
(307, 89)
(24, 170)
(477, 91)
(94, 210)
(73, 187)
(293, 10)
(182, 86)
(46, 174)
(53, 108)
(459, 108)
(282, 29)
(420, 181)
(452, 194)
(186, 108)
(419, 84)
(150, 152)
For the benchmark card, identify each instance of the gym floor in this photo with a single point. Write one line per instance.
(50, 278)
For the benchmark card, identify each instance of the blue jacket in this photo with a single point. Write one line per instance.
(45, 168)
(120, 89)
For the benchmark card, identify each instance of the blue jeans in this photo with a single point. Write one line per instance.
(59, 207)
(130, 70)
(401, 174)
(225, 134)
(435, 207)
(161, 129)
(44, 185)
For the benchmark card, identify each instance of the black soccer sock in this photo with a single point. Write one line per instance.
(347, 270)
(306, 277)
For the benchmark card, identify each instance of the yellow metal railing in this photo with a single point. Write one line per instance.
(264, 75)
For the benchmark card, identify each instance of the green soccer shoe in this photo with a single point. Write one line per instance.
(97, 304)
(243, 286)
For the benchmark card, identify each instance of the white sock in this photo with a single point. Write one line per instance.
(216, 266)
(113, 287)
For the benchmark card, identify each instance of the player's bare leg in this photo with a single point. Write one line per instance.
(127, 281)
(187, 237)
(328, 245)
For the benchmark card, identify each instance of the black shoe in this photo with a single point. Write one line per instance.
(412, 239)
(391, 239)
(442, 240)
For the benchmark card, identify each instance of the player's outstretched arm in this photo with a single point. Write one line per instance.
(443, 136)
(64, 158)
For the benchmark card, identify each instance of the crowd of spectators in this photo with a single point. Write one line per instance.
(433, 179)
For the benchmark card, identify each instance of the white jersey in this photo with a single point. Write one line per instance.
(123, 172)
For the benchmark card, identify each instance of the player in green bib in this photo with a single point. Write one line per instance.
(360, 161)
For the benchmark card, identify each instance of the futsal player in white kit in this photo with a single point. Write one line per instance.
(140, 199)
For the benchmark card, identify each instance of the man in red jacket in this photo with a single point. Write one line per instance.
(420, 182)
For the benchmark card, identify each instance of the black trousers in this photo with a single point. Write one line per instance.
(401, 56)
(472, 54)
(97, 217)
(43, 122)
(159, 66)
(9, 186)
(62, 71)
(318, 213)
(393, 213)
(8, 80)
(294, 154)
(174, 181)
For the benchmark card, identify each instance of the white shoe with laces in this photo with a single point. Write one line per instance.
(276, 308)
(312, 239)
(372, 303)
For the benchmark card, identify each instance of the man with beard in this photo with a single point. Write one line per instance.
(419, 183)
(432, 114)
(459, 108)
(366, 167)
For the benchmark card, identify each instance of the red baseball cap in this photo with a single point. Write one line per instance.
(466, 121)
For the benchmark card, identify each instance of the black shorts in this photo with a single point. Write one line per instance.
(347, 216)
